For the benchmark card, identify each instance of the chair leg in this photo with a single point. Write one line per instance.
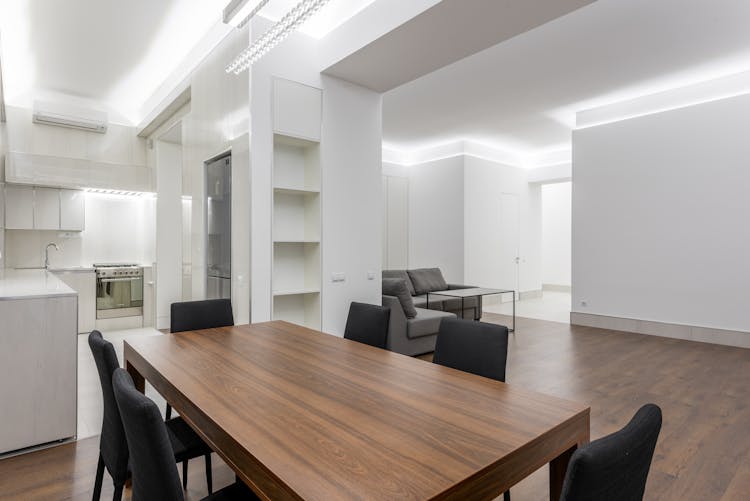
(184, 474)
(169, 411)
(506, 496)
(209, 475)
(118, 492)
(99, 479)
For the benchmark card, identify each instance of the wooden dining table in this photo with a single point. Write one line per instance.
(299, 414)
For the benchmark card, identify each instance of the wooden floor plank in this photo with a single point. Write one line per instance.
(703, 390)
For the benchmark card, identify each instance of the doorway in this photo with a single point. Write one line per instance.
(219, 227)
(509, 250)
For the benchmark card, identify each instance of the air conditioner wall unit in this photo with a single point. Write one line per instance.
(63, 115)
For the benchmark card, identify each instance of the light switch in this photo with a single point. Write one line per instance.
(338, 277)
(370, 275)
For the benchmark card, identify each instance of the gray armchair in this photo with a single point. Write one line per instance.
(413, 336)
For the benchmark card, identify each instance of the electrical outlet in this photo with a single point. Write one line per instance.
(584, 302)
(370, 275)
(338, 277)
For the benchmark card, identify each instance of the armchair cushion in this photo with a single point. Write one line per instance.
(400, 274)
(427, 280)
(397, 287)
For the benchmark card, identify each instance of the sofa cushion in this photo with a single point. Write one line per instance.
(426, 323)
(427, 280)
(400, 274)
(397, 287)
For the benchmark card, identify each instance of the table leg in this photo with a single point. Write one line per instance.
(557, 469)
(514, 312)
(463, 312)
(140, 382)
(427, 307)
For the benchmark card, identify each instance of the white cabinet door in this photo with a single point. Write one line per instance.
(19, 207)
(72, 207)
(84, 283)
(297, 109)
(2, 209)
(46, 209)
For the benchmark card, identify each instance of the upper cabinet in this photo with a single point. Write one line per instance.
(19, 207)
(72, 208)
(30, 208)
(46, 209)
(297, 109)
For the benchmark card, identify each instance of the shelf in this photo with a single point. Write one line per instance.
(296, 292)
(288, 190)
(317, 241)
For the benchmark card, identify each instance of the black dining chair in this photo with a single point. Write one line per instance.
(368, 324)
(197, 315)
(470, 346)
(615, 467)
(476, 347)
(155, 475)
(113, 446)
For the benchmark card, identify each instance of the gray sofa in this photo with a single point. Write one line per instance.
(415, 334)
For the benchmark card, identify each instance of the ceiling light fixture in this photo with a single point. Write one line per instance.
(239, 12)
(278, 32)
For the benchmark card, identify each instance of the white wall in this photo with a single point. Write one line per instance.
(556, 233)
(217, 121)
(660, 216)
(118, 229)
(485, 182)
(168, 230)
(351, 202)
(436, 217)
(351, 147)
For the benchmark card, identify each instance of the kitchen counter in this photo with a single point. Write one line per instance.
(20, 284)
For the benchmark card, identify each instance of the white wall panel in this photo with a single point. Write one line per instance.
(660, 216)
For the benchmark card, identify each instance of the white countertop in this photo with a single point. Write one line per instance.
(20, 284)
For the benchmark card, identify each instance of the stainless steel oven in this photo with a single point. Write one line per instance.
(119, 290)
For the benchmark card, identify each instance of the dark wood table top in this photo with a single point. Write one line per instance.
(299, 414)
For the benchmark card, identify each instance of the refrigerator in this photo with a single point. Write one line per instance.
(219, 228)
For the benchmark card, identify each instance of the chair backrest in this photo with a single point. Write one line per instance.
(615, 467)
(476, 347)
(368, 324)
(112, 445)
(196, 315)
(155, 475)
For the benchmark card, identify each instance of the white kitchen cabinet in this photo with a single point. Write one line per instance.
(2, 209)
(19, 207)
(84, 283)
(297, 109)
(46, 209)
(72, 208)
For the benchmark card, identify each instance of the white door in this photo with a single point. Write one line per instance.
(510, 226)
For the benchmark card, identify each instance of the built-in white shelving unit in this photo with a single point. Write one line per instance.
(296, 281)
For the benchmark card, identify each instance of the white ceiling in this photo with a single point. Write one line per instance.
(113, 54)
(522, 95)
(448, 31)
(109, 52)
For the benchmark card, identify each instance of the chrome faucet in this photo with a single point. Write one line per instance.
(46, 253)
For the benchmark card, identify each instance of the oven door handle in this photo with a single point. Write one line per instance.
(123, 279)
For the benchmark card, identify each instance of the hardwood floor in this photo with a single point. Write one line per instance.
(703, 390)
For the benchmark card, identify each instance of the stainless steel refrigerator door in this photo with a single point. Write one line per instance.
(218, 288)
(219, 226)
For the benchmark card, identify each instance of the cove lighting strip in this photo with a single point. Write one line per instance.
(100, 191)
(239, 12)
(277, 33)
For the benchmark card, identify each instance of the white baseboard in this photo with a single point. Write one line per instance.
(530, 294)
(556, 288)
(725, 337)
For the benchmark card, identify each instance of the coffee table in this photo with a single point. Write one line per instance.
(476, 292)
